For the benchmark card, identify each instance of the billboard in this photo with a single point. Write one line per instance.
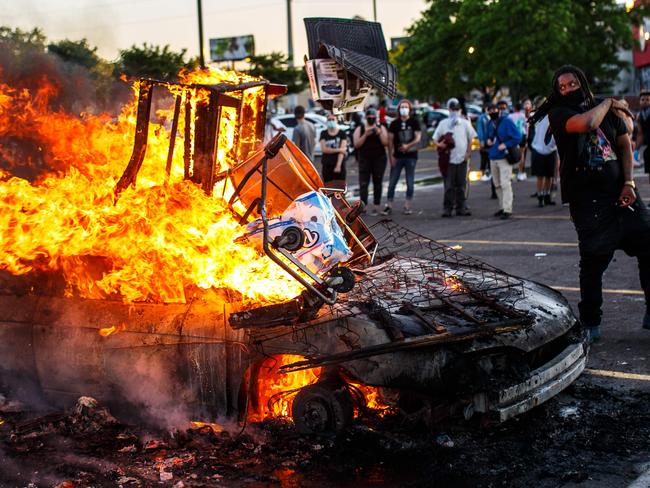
(232, 48)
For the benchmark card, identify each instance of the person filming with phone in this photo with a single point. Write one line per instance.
(370, 141)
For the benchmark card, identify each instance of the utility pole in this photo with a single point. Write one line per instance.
(374, 10)
(289, 36)
(201, 57)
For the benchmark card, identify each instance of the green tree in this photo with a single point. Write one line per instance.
(76, 52)
(20, 41)
(459, 45)
(153, 61)
(274, 67)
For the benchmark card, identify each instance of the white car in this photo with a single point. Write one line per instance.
(288, 121)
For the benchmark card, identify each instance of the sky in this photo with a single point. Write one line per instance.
(112, 25)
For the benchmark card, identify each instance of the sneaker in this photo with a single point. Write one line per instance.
(534, 195)
(387, 210)
(464, 213)
(446, 214)
(505, 215)
(548, 201)
(407, 211)
(593, 334)
(522, 177)
(498, 213)
(485, 177)
(646, 321)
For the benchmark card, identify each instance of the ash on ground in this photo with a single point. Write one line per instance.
(584, 437)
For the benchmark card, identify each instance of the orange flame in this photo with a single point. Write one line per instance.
(105, 332)
(156, 243)
(276, 391)
(196, 424)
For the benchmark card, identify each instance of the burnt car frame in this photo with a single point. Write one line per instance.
(423, 323)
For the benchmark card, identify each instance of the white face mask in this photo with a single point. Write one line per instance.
(404, 111)
(453, 115)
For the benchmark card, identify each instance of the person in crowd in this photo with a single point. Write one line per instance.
(519, 118)
(544, 160)
(272, 127)
(597, 183)
(382, 112)
(482, 123)
(458, 130)
(404, 136)
(370, 141)
(502, 136)
(334, 145)
(304, 133)
(643, 128)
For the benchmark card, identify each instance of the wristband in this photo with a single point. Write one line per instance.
(630, 183)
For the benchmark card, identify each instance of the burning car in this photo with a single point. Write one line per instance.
(153, 297)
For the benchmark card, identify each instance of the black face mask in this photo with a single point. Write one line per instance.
(494, 115)
(371, 120)
(573, 98)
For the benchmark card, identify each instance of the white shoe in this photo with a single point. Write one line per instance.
(522, 177)
(486, 177)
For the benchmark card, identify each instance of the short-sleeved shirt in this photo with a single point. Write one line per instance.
(404, 132)
(333, 142)
(463, 133)
(304, 136)
(590, 167)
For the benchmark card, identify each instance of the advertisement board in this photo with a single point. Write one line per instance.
(232, 48)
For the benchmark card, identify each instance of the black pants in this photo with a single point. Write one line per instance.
(485, 159)
(375, 168)
(602, 228)
(455, 186)
(330, 175)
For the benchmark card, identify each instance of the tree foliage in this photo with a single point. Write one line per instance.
(20, 41)
(76, 52)
(274, 67)
(488, 44)
(153, 61)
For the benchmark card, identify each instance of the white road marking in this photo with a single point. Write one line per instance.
(509, 243)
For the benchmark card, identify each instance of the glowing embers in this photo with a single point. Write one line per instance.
(276, 392)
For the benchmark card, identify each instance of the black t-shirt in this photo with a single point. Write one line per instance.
(333, 142)
(404, 132)
(372, 148)
(590, 167)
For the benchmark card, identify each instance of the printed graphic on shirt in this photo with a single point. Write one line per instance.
(405, 134)
(333, 143)
(599, 149)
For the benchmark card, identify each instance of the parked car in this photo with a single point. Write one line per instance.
(320, 123)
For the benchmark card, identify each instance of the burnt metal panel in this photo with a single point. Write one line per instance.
(357, 45)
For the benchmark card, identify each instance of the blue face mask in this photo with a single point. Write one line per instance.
(331, 124)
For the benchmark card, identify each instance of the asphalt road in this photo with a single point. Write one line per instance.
(538, 244)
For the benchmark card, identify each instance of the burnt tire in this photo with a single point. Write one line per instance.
(322, 408)
(348, 279)
(292, 238)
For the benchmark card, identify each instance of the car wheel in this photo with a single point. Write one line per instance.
(322, 408)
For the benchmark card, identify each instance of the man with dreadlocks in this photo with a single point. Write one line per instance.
(596, 177)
